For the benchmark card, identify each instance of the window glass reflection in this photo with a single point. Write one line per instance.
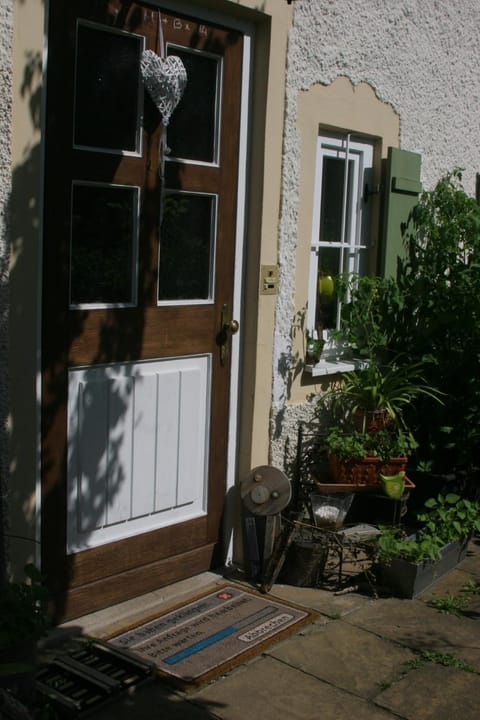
(187, 247)
(107, 89)
(103, 247)
(192, 132)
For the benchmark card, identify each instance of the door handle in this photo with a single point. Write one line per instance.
(232, 325)
(228, 327)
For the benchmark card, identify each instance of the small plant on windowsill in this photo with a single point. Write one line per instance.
(314, 347)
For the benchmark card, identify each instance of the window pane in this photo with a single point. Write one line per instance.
(193, 126)
(107, 89)
(332, 260)
(328, 268)
(333, 198)
(186, 247)
(104, 223)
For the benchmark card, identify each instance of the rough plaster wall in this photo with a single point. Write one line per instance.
(6, 24)
(421, 56)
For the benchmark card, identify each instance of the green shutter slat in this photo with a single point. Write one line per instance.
(402, 186)
(407, 185)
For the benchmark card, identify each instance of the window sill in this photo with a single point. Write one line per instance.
(332, 366)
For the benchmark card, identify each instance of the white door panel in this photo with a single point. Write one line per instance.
(137, 439)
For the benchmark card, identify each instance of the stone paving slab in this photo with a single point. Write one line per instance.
(420, 627)
(324, 601)
(434, 692)
(455, 584)
(157, 702)
(343, 655)
(471, 564)
(267, 689)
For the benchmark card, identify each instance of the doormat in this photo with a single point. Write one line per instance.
(213, 633)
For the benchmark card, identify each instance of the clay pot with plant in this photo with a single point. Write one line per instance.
(369, 434)
(374, 397)
(360, 458)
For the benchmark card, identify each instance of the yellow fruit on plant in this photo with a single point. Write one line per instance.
(326, 285)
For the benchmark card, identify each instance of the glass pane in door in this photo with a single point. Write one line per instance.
(193, 130)
(187, 245)
(104, 244)
(107, 89)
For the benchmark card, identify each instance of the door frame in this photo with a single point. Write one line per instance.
(248, 31)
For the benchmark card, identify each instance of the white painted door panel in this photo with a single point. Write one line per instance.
(137, 447)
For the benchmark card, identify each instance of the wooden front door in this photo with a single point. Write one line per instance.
(137, 301)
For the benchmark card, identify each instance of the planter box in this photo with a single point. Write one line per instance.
(363, 471)
(408, 579)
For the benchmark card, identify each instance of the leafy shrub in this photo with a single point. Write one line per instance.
(23, 615)
(445, 519)
(429, 317)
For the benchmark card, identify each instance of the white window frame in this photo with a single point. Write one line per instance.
(353, 241)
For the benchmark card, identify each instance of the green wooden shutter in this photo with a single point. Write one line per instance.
(402, 186)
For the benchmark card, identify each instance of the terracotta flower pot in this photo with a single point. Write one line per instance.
(364, 471)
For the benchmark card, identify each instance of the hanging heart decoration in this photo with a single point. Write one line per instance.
(165, 80)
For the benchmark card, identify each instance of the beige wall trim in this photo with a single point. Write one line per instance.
(341, 107)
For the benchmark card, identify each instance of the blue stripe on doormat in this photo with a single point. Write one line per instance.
(196, 647)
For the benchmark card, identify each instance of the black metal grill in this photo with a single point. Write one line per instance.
(78, 682)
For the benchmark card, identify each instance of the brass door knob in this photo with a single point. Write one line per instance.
(233, 326)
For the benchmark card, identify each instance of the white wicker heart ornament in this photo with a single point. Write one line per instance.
(165, 80)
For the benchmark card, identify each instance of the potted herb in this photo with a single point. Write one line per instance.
(408, 564)
(375, 396)
(23, 621)
(371, 436)
(358, 458)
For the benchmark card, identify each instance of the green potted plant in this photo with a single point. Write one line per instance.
(368, 406)
(369, 435)
(408, 564)
(358, 458)
(375, 396)
(428, 314)
(23, 621)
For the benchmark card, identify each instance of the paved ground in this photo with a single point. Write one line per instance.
(363, 658)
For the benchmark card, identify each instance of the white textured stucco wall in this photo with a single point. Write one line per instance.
(421, 57)
(6, 22)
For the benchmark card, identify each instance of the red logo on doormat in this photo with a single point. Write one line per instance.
(224, 596)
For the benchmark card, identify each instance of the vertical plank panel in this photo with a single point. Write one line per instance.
(145, 402)
(120, 437)
(191, 468)
(92, 403)
(167, 440)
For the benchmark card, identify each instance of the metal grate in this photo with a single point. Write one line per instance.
(92, 674)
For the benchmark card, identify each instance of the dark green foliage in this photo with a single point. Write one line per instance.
(384, 444)
(379, 387)
(445, 519)
(23, 614)
(429, 318)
